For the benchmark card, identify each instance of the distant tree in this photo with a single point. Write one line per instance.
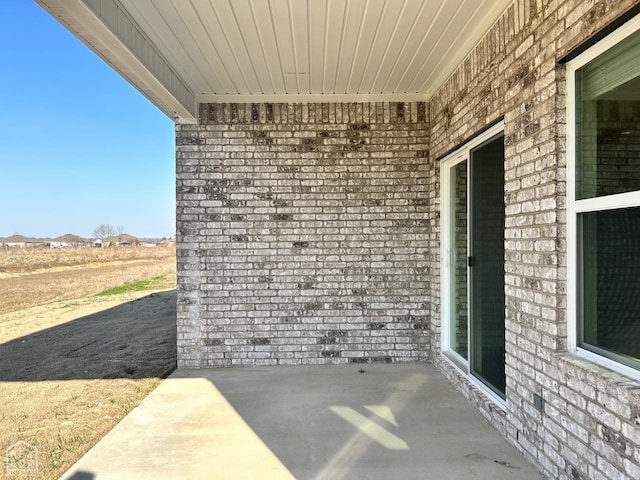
(104, 231)
(120, 232)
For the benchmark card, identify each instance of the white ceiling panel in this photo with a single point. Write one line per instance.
(268, 44)
(286, 50)
(317, 11)
(350, 37)
(300, 44)
(370, 25)
(386, 25)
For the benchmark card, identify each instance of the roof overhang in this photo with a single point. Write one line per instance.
(179, 53)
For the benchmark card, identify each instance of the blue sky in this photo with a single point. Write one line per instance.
(78, 145)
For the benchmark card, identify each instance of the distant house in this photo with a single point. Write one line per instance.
(169, 242)
(20, 241)
(126, 240)
(13, 241)
(41, 242)
(70, 240)
(123, 240)
(157, 242)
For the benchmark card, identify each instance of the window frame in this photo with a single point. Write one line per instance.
(576, 207)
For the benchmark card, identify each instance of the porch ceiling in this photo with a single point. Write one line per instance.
(182, 52)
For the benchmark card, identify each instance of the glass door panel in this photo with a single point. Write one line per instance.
(487, 264)
(459, 299)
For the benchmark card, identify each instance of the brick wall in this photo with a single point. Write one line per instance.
(589, 428)
(302, 234)
(309, 233)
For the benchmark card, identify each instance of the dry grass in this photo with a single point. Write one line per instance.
(27, 260)
(61, 382)
(35, 277)
(63, 420)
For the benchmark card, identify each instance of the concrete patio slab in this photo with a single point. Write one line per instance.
(375, 421)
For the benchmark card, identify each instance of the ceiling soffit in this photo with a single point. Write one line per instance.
(182, 52)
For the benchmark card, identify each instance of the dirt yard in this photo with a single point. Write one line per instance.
(71, 369)
(32, 277)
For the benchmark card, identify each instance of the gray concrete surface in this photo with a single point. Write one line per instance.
(318, 422)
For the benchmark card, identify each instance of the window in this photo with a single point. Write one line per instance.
(604, 199)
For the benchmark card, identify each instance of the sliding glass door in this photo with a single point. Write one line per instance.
(474, 261)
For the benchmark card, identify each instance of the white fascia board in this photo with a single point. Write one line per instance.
(311, 98)
(105, 28)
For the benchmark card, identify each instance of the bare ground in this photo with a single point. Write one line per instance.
(70, 370)
(26, 289)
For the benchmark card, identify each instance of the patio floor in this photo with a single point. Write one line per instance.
(374, 421)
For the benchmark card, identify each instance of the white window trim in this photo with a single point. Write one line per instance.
(574, 207)
(449, 355)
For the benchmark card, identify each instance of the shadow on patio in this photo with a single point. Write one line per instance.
(310, 422)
